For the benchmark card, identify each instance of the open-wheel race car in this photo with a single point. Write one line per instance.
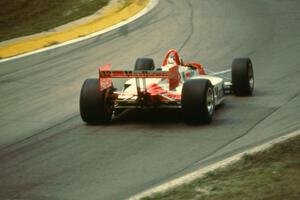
(176, 84)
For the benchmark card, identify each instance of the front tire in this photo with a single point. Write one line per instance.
(242, 77)
(95, 106)
(198, 103)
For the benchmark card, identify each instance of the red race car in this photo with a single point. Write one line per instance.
(176, 84)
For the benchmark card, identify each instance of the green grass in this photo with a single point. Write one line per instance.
(270, 175)
(26, 17)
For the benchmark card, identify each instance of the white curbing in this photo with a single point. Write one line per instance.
(202, 171)
(148, 8)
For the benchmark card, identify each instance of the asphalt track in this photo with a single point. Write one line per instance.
(47, 152)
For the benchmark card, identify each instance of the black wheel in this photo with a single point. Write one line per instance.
(242, 77)
(197, 101)
(144, 64)
(95, 106)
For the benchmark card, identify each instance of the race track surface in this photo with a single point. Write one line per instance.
(47, 152)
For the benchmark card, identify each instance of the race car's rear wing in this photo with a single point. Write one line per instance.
(105, 75)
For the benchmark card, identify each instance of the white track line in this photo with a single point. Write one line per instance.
(202, 171)
(221, 72)
(149, 7)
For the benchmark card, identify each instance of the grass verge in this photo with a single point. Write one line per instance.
(26, 17)
(272, 174)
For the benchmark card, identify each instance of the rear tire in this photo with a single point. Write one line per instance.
(95, 106)
(144, 64)
(197, 101)
(242, 77)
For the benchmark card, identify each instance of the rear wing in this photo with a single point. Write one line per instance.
(105, 76)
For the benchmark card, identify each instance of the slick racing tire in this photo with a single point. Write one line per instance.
(144, 64)
(198, 103)
(242, 77)
(95, 106)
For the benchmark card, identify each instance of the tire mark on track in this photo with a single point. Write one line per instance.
(24, 142)
(191, 20)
